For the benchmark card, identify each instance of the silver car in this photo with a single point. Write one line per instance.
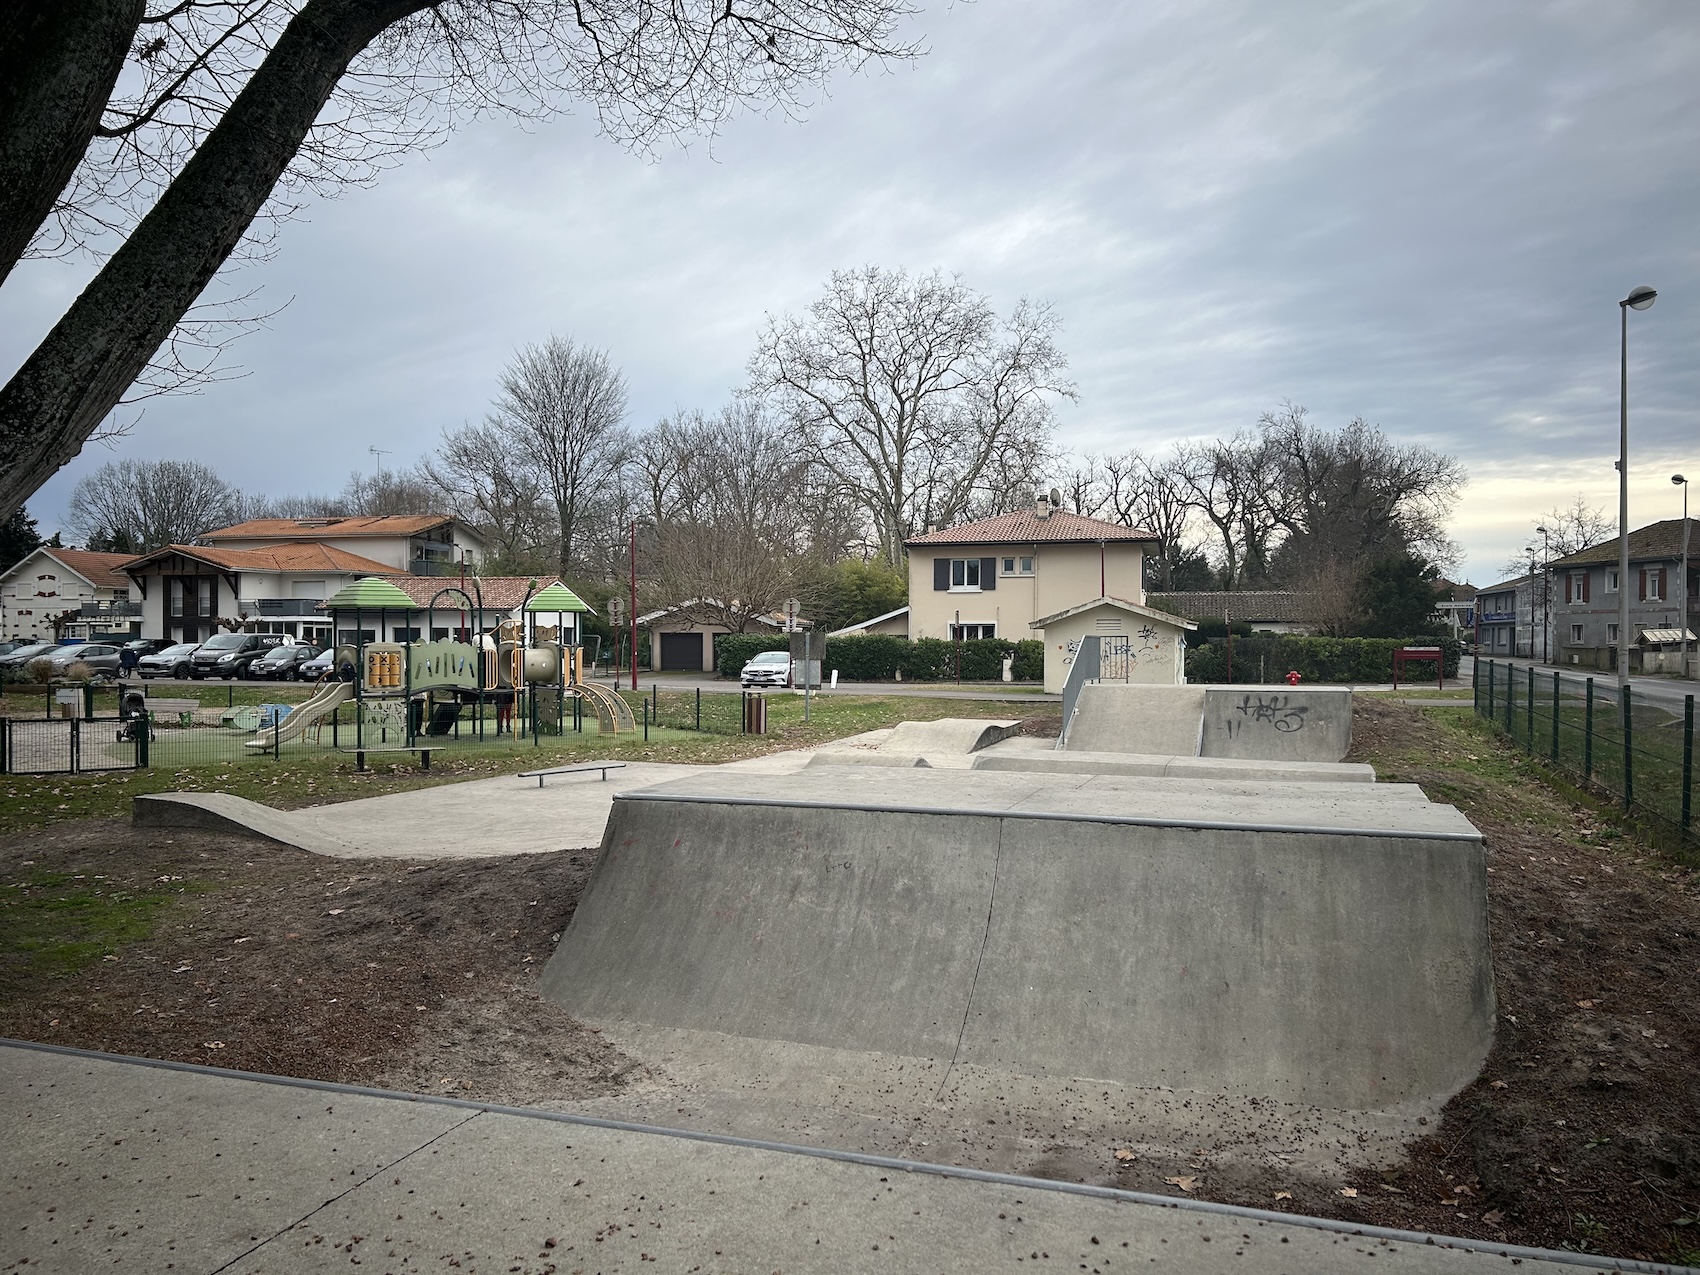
(173, 661)
(770, 668)
(101, 658)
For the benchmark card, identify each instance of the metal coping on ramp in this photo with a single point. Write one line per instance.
(1052, 816)
(1586, 1261)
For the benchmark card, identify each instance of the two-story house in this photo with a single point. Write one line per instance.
(411, 544)
(1044, 572)
(1507, 619)
(57, 594)
(1585, 597)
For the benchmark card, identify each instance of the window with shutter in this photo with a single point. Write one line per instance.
(1643, 584)
(988, 573)
(941, 574)
(1567, 591)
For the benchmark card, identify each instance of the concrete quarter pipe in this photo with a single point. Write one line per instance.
(1326, 948)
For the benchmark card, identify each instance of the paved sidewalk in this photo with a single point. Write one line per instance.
(114, 1164)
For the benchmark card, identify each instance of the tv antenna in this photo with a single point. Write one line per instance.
(380, 453)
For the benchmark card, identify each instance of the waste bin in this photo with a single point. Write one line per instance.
(755, 714)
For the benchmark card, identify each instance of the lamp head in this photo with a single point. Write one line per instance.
(1678, 480)
(1640, 298)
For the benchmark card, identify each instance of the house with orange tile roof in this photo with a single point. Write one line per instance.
(416, 544)
(57, 594)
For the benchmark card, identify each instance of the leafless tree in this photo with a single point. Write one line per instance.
(916, 393)
(564, 405)
(1226, 482)
(485, 480)
(136, 506)
(1142, 491)
(733, 503)
(1568, 530)
(169, 127)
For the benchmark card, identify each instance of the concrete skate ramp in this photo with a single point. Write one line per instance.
(1321, 948)
(1119, 717)
(1079, 763)
(1259, 723)
(946, 735)
(1284, 723)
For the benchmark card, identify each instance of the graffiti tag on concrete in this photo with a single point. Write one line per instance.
(1271, 710)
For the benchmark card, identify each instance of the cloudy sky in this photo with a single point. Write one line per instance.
(1422, 214)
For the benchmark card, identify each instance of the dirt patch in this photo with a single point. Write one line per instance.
(418, 976)
(1583, 1130)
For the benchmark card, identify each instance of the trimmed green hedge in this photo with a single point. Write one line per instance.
(1269, 657)
(880, 657)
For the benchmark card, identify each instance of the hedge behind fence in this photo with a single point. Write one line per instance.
(1269, 657)
(879, 657)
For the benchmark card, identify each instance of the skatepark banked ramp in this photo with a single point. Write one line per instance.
(1327, 946)
(1269, 723)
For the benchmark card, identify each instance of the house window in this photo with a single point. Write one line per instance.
(1611, 632)
(965, 573)
(1576, 587)
(1652, 584)
(404, 635)
(1611, 582)
(203, 597)
(1018, 566)
(177, 599)
(1575, 635)
(972, 632)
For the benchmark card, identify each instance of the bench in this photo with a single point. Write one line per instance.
(424, 751)
(603, 766)
(171, 706)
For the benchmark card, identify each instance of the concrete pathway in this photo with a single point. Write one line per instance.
(118, 1164)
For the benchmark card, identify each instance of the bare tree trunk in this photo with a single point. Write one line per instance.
(95, 352)
(58, 62)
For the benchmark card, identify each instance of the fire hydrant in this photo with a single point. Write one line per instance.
(1293, 677)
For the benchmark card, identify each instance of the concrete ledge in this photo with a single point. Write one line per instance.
(1083, 763)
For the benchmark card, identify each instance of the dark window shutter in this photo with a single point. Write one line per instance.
(941, 574)
(1586, 587)
(988, 573)
(1643, 584)
(1567, 597)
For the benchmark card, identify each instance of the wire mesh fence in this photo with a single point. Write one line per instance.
(1636, 746)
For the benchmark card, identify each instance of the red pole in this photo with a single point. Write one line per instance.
(634, 604)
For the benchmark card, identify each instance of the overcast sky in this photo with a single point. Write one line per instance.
(1422, 214)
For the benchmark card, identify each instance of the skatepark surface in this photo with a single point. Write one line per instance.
(120, 1164)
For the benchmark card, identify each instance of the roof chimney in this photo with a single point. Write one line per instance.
(1041, 507)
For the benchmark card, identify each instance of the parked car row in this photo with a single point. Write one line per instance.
(226, 656)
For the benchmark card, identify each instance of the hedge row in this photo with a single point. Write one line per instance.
(880, 657)
(1318, 659)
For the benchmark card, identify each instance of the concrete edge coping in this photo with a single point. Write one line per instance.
(1055, 816)
(1587, 1261)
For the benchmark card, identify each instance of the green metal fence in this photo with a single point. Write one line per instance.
(1636, 747)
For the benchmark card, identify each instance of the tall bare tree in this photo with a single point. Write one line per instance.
(919, 396)
(136, 506)
(486, 481)
(234, 105)
(1142, 491)
(565, 404)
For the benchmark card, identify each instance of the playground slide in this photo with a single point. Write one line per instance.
(304, 715)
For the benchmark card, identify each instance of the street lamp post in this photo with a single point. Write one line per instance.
(1546, 591)
(1638, 299)
(1682, 612)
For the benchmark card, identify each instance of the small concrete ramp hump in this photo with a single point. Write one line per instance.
(945, 736)
(1320, 946)
(1261, 723)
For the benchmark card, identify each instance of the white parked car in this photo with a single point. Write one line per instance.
(770, 668)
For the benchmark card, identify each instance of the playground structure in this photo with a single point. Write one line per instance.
(514, 677)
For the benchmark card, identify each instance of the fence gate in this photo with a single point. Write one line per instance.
(66, 746)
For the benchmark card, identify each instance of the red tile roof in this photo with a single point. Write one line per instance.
(100, 569)
(1025, 527)
(317, 528)
(291, 558)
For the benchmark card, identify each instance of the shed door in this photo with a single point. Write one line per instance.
(681, 651)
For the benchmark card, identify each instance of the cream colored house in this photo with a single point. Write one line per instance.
(57, 594)
(995, 577)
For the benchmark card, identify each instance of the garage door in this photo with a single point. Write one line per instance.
(681, 651)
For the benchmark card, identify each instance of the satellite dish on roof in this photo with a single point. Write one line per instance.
(1056, 498)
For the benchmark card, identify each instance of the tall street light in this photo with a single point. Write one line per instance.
(1638, 299)
(1682, 614)
(1546, 592)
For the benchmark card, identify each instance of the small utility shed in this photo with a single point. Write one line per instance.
(1136, 643)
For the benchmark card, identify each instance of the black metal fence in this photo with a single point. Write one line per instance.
(1638, 746)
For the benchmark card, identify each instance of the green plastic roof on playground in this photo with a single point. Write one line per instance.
(369, 594)
(558, 598)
